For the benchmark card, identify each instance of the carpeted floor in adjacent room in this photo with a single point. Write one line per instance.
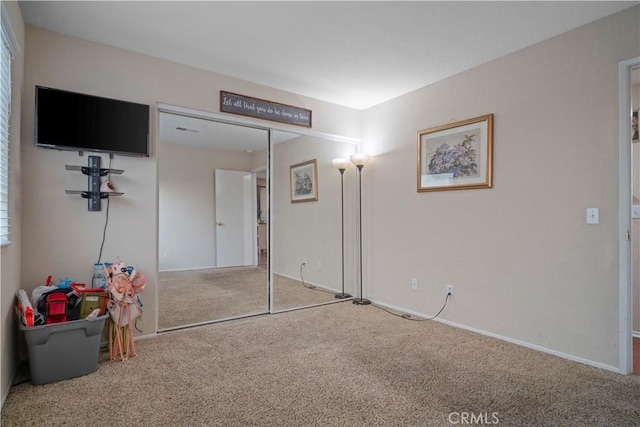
(194, 296)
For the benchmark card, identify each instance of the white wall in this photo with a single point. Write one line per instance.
(523, 262)
(186, 203)
(64, 238)
(312, 230)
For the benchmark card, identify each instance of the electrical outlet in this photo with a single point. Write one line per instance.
(319, 265)
(593, 216)
(414, 284)
(450, 290)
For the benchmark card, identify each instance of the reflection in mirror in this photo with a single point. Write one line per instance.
(306, 239)
(212, 241)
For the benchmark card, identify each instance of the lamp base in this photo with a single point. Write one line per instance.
(343, 296)
(361, 301)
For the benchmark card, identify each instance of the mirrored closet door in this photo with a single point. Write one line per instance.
(213, 221)
(306, 221)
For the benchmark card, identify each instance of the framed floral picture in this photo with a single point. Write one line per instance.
(635, 137)
(456, 156)
(304, 182)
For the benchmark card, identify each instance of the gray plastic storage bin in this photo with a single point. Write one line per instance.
(60, 351)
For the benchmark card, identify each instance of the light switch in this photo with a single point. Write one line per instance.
(593, 216)
(635, 213)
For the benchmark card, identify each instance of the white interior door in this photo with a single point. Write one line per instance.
(234, 211)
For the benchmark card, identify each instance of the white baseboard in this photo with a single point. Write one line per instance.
(145, 337)
(5, 395)
(508, 339)
(306, 282)
(635, 334)
(167, 270)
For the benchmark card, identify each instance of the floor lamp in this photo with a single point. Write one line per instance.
(342, 165)
(360, 160)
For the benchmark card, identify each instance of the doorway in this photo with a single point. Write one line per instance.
(629, 240)
(635, 214)
(235, 195)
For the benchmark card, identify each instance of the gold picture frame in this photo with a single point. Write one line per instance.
(304, 182)
(456, 156)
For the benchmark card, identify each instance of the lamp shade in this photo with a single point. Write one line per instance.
(360, 159)
(341, 163)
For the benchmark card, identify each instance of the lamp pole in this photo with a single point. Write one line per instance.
(342, 165)
(360, 160)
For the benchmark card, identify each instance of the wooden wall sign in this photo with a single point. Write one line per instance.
(261, 109)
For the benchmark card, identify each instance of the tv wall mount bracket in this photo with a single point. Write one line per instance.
(94, 172)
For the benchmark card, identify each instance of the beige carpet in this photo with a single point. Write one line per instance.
(194, 296)
(290, 293)
(334, 365)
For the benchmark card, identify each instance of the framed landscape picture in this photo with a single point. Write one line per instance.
(304, 182)
(456, 156)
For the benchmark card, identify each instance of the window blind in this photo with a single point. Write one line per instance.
(5, 113)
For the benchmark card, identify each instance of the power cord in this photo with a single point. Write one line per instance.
(408, 316)
(313, 288)
(302, 278)
(106, 222)
(104, 232)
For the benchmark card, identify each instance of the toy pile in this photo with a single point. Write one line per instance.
(66, 301)
(115, 290)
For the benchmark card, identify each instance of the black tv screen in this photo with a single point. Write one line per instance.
(78, 122)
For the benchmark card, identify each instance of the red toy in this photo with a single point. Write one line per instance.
(56, 308)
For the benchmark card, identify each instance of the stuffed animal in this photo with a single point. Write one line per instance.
(138, 281)
(120, 283)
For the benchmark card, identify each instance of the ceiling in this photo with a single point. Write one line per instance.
(357, 54)
(202, 133)
(195, 132)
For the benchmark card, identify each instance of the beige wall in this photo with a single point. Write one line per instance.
(524, 264)
(64, 238)
(186, 203)
(10, 255)
(312, 230)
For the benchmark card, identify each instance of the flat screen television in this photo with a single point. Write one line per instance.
(78, 122)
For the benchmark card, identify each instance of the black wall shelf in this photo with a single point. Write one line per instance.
(94, 172)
